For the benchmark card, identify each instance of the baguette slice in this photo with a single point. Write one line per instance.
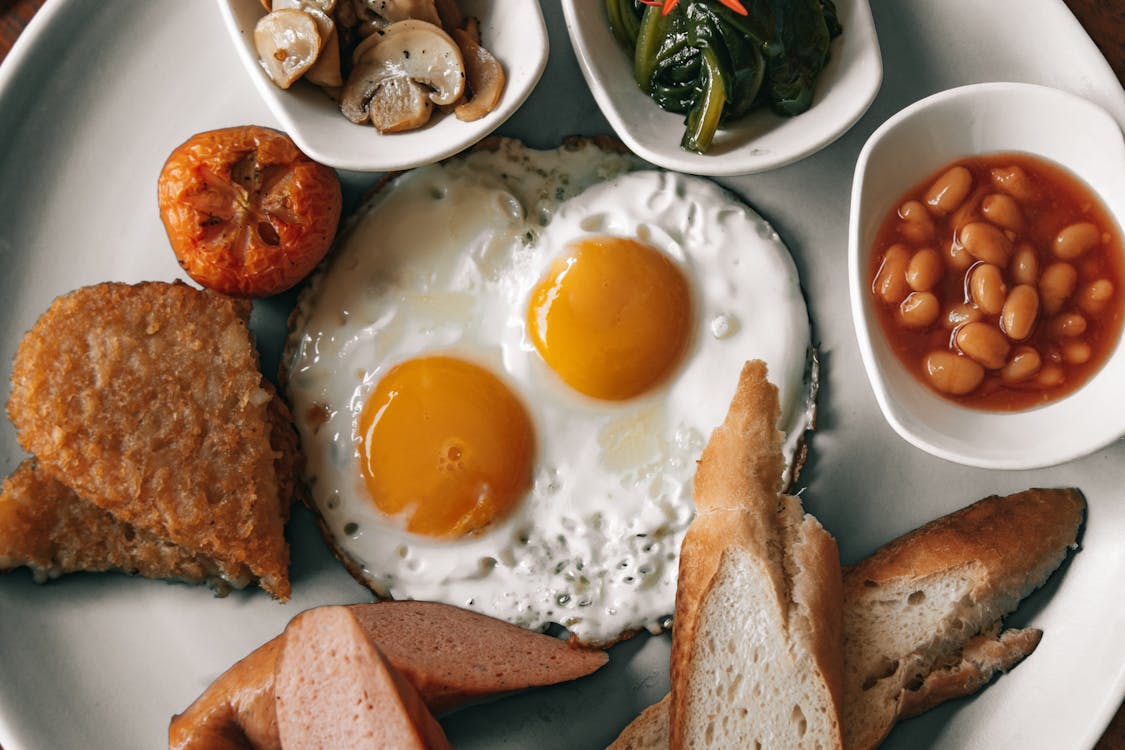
(147, 401)
(756, 658)
(921, 616)
(335, 689)
(450, 655)
(930, 566)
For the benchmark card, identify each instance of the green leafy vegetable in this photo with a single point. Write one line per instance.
(714, 65)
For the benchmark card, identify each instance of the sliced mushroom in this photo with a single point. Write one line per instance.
(486, 78)
(384, 34)
(401, 104)
(449, 13)
(402, 10)
(324, 6)
(288, 43)
(326, 70)
(420, 53)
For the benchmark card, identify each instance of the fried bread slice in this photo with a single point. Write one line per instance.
(147, 401)
(48, 528)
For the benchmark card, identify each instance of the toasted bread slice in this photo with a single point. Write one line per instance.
(335, 689)
(915, 602)
(920, 622)
(147, 401)
(452, 657)
(46, 527)
(756, 658)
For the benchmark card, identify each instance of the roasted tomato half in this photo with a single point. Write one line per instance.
(246, 212)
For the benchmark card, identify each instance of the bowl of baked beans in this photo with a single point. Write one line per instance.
(987, 274)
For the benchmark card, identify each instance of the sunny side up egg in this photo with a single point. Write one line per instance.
(506, 374)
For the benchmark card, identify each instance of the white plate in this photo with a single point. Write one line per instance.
(760, 141)
(516, 35)
(94, 97)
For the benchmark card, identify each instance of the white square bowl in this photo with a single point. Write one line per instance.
(980, 119)
(758, 142)
(514, 31)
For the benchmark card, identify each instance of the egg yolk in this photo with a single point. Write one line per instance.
(445, 446)
(612, 317)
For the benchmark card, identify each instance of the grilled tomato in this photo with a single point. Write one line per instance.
(246, 212)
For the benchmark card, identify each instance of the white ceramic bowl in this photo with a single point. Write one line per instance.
(514, 31)
(756, 143)
(979, 119)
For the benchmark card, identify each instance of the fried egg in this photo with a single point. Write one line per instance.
(506, 374)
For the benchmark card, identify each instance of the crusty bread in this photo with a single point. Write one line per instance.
(915, 602)
(147, 401)
(920, 622)
(335, 689)
(452, 657)
(649, 731)
(756, 647)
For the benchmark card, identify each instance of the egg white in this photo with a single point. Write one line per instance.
(444, 261)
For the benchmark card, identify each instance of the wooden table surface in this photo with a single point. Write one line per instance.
(1104, 20)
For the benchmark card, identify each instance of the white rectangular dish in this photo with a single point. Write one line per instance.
(104, 661)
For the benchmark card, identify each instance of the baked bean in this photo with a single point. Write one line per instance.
(957, 257)
(1050, 376)
(1076, 352)
(917, 224)
(987, 288)
(1024, 363)
(1025, 264)
(960, 314)
(1016, 183)
(949, 190)
(984, 344)
(952, 374)
(1068, 325)
(986, 242)
(919, 310)
(1093, 298)
(1076, 240)
(1017, 318)
(924, 271)
(890, 282)
(1002, 211)
(967, 211)
(1056, 285)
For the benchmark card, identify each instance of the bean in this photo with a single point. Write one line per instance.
(1076, 240)
(1025, 264)
(1093, 298)
(952, 374)
(986, 242)
(890, 281)
(949, 190)
(957, 257)
(917, 224)
(1076, 352)
(1017, 318)
(984, 344)
(924, 271)
(987, 288)
(919, 310)
(1056, 285)
(1024, 363)
(960, 314)
(1068, 326)
(1002, 211)
(1050, 376)
(1016, 183)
